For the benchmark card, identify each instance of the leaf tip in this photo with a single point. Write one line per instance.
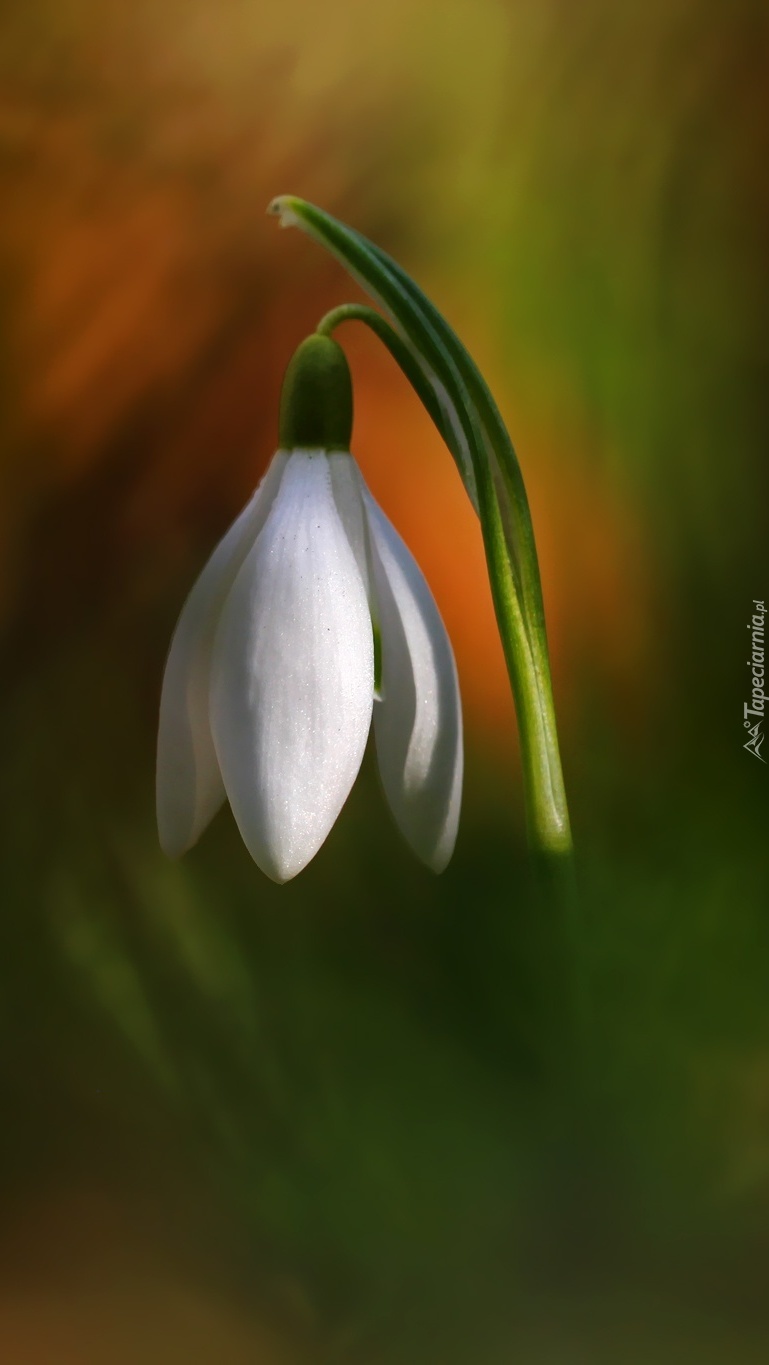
(283, 208)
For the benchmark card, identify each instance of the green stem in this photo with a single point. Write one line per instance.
(398, 348)
(516, 594)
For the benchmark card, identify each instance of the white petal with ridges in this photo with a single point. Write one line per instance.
(293, 675)
(189, 784)
(418, 722)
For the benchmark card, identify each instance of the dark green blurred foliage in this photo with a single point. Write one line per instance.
(365, 1067)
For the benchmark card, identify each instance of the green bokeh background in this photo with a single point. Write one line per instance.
(351, 1099)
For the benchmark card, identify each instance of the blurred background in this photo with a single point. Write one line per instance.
(336, 1121)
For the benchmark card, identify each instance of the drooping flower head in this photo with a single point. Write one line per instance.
(310, 615)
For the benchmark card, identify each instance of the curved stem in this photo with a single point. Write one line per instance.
(517, 602)
(398, 348)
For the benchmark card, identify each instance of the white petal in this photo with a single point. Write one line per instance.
(189, 785)
(347, 486)
(418, 722)
(293, 675)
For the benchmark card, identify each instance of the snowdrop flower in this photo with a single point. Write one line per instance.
(310, 615)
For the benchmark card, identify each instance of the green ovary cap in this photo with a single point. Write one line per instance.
(316, 400)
